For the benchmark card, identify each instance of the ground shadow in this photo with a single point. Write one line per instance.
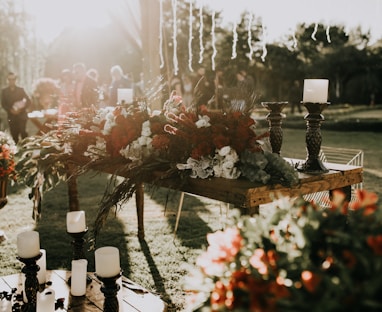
(52, 226)
(192, 229)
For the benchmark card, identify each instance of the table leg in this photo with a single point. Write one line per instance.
(139, 202)
(249, 211)
(346, 190)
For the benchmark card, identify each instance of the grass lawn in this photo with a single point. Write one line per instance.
(159, 262)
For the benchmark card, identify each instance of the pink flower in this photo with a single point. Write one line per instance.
(223, 247)
(259, 262)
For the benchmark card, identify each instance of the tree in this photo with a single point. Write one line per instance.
(18, 48)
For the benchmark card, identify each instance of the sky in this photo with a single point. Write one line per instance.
(279, 16)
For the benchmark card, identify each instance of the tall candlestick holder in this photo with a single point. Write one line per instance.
(110, 290)
(274, 118)
(31, 284)
(78, 244)
(313, 138)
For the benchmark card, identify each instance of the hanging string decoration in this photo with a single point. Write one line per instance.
(161, 34)
(249, 31)
(328, 34)
(174, 39)
(201, 46)
(234, 41)
(213, 39)
(190, 38)
(313, 36)
(265, 51)
(294, 40)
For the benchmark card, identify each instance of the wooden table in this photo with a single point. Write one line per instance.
(248, 195)
(131, 296)
(242, 193)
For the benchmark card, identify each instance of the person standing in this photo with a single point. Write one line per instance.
(85, 88)
(15, 102)
(66, 95)
(118, 81)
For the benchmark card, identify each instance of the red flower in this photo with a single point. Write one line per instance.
(349, 259)
(221, 141)
(310, 280)
(375, 243)
(218, 296)
(366, 200)
(202, 149)
(161, 142)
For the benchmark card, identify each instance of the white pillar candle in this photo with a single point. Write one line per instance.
(315, 90)
(78, 278)
(125, 95)
(28, 244)
(75, 221)
(107, 262)
(41, 274)
(5, 305)
(46, 301)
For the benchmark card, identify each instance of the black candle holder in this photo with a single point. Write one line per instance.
(110, 290)
(313, 138)
(78, 244)
(31, 284)
(275, 119)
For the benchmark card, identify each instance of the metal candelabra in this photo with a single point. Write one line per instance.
(313, 138)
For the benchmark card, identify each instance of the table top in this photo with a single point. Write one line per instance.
(244, 193)
(131, 296)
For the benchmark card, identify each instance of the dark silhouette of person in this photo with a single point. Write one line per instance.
(15, 102)
(85, 88)
(118, 81)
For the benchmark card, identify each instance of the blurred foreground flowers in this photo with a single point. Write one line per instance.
(294, 256)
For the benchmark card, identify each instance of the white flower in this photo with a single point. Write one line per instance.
(224, 150)
(204, 121)
(146, 131)
(102, 114)
(199, 168)
(224, 163)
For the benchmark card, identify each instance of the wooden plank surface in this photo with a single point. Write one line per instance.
(131, 296)
(246, 194)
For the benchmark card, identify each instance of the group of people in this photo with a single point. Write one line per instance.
(203, 88)
(78, 88)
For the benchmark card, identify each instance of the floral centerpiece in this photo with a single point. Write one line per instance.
(138, 143)
(7, 164)
(296, 256)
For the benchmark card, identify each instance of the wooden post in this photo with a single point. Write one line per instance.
(150, 45)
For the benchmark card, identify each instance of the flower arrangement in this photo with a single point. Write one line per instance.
(7, 155)
(172, 141)
(294, 256)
